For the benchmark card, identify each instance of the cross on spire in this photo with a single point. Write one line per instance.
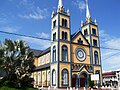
(87, 10)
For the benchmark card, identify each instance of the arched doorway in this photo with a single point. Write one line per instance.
(83, 79)
(74, 78)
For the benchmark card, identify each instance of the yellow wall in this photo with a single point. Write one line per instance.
(36, 61)
(64, 66)
(64, 17)
(55, 30)
(68, 46)
(65, 30)
(45, 59)
(74, 58)
(41, 77)
(54, 66)
(95, 38)
(96, 49)
(92, 26)
(78, 37)
(55, 18)
(85, 27)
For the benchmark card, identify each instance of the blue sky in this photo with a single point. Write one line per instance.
(33, 17)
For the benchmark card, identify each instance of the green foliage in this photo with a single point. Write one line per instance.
(91, 84)
(16, 60)
(9, 88)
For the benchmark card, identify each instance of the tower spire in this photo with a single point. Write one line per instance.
(87, 11)
(60, 7)
(60, 4)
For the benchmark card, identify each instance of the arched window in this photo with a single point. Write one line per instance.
(64, 53)
(64, 23)
(65, 77)
(54, 54)
(96, 59)
(48, 78)
(64, 35)
(54, 78)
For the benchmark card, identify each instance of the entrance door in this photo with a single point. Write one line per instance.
(83, 80)
(74, 78)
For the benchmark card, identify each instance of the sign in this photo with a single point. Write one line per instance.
(95, 77)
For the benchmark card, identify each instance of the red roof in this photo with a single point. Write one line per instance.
(109, 73)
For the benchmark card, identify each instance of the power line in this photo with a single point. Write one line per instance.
(110, 48)
(112, 56)
(46, 39)
(24, 35)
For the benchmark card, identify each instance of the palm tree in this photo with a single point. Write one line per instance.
(16, 60)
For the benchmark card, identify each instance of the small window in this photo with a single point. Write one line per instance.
(94, 31)
(39, 60)
(65, 77)
(64, 53)
(95, 42)
(64, 36)
(64, 23)
(54, 78)
(96, 57)
(54, 54)
(80, 41)
(54, 36)
(42, 59)
(54, 24)
(85, 32)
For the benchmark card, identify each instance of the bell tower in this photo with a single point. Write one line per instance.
(60, 47)
(90, 31)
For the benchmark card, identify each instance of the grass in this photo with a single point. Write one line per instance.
(9, 88)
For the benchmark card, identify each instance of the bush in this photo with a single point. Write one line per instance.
(91, 84)
(9, 88)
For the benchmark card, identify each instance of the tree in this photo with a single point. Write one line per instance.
(16, 60)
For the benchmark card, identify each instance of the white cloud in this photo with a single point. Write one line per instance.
(36, 14)
(80, 4)
(43, 44)
(43, 35)
(11, 29)
(110, 58)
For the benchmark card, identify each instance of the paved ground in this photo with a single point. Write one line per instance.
(80, 89)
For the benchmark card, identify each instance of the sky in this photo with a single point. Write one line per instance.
(33, 17)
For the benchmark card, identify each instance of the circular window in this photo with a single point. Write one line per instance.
(80, 54)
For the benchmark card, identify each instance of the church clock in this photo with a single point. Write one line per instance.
(80, 54)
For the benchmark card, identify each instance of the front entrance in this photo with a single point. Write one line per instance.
(74, 78)
(83, 80)
(79, 80)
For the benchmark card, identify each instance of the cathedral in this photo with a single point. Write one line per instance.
(72, 58)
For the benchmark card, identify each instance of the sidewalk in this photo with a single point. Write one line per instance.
(77, 89)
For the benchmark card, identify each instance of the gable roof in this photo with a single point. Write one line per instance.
(76, 33)
(45, 51)
(36, 52)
